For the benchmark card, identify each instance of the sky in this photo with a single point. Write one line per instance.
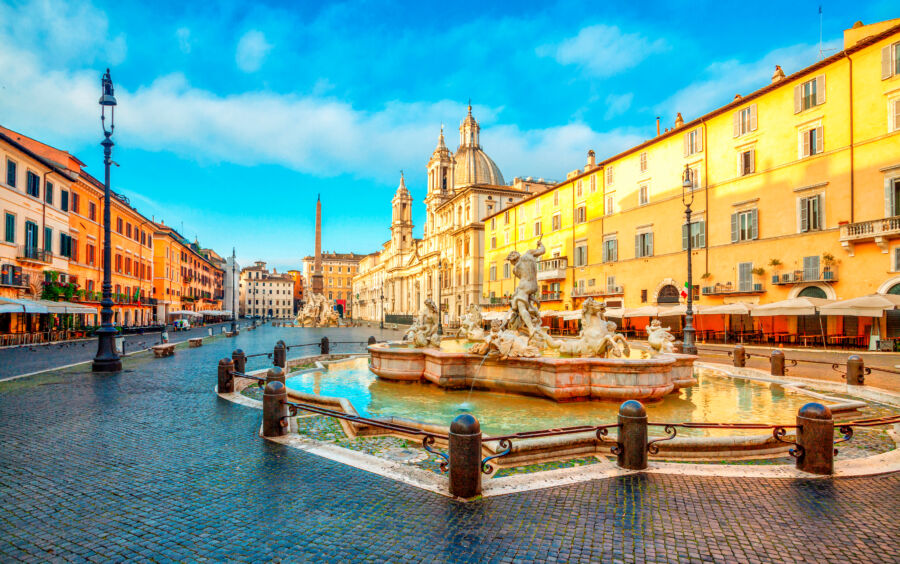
(234, 116)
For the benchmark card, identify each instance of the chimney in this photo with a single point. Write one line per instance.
(657, 126)
(592, 160)
(737, 97)
(778, 74)
(679, 121)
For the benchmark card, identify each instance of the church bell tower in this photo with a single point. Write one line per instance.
(401, 217)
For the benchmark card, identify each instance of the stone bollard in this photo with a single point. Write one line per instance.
(275, 374)
(465, 456)
(777, 362)
(226, 380)
(632, 439)
(274, 410)
(679, 347)
(279, 358)
(240, 361)
(324, 347)
(815, 435)
(371, 340)
(740, 358)
(855, 370)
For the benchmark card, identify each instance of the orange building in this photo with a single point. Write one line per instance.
(132, 252)
(183, 279)
(297, 275)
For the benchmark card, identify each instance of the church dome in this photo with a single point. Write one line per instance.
(473, 166)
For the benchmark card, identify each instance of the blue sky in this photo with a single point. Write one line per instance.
(232, 116)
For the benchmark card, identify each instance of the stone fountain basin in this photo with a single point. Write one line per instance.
(557, 378)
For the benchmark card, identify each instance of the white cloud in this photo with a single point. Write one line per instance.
(603, 50)
(183, 35)
(617, 104)
(721, 80)
(251, 51)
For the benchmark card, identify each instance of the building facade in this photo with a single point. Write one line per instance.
(183, 278)
(266, 294)
(338, 270)
(297, 275)
(446, 264)
(795, 191)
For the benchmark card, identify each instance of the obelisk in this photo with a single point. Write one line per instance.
(318, 283)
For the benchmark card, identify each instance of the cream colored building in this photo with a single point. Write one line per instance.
(266, 294)
(463, 188)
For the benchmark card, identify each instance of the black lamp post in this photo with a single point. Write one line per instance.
(687, 198)
(440, 304)
(234, 287)
(107, 360)
(382, 305)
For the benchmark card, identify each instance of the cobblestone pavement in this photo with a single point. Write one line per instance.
(28, 359)
(150, 464)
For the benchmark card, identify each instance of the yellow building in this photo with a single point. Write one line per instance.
(183, 278)
(796, 192)
(338, 270)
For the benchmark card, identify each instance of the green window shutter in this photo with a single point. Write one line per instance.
(889, 209)
(804, 215)
(606, 251)
(701, 227)
(615, 249)
(48, 239)
(886, 66)
(684, 237)
(754, 224)
(10, 228)
(734, 228)
(637, 246)
(649, 244)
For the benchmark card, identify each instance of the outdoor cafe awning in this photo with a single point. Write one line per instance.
(216, 312)
(873, 305)
(185, 312)
(793, 306)
(23, 305)
(737, 308)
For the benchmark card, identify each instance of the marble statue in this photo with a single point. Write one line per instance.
(470, 326)
(423, 332)
(598, 337)
(505, 343)
(317, 313)
(525, 305)
(659, 338)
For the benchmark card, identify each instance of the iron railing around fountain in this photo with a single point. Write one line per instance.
(505, 441)
(428, 437)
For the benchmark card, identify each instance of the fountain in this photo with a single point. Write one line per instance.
(519, 356)
(317, 313)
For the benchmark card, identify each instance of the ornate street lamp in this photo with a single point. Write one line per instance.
(382, 305)
(233, 292)
(687, 198)
(440, 304)
(107, 360)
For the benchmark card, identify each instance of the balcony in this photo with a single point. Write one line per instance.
(729, 289)
(879, 231)
(827, 274)
(34, 254)
(551, 296)
(578, 292)
(552, 269)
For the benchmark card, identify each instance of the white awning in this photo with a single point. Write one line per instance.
(873, 305)
(793, 306)
(570, 315)
(185, 312)
(737, 308)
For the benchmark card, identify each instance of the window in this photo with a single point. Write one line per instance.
(698, 235)
(593, 183)
(891, 197)
(578, 189)
(894, 115)
(644, 161)
(890, 61)
(809, 213)
(76, 202)
(11, 175)
(745, 120)
(521, 232)
(65, 245)
(119, 225)
(493, 242)
(643, 195)
(809, 94)
(695, 177)
(64, 200)
(744, 226)
(33, 184)
(48, 239)
(10, 228)
(811, 141)
(89, 254)
(643, 245)
(128, 230)
(745, 276)
(556, 198)
(493, 272)
(610, 250)
(493, 223)
(537, 228)
(896, 259)
(643, 296)
(48, 192)
(693, 142)
(610, 175)
(610, 284)
(506, 218)
(746, 162)
(506, 237)
(505, 270)
(609, 205)
(811, 268)
(118, 263)
(555, 222)
(581, 254)
(581, 214)
(537, 207)
(92, 211)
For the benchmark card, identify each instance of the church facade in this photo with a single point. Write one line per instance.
(447, 263)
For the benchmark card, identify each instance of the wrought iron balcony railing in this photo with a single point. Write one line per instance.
(826, 274)
(34, 254)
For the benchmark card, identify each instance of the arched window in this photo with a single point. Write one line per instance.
(895, 289)
(668, 294)
(812, 292)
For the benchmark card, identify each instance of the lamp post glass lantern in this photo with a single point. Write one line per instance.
(382, 307)
(687, 198)
(107, 360)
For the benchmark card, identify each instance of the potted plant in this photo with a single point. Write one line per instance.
(827, 273)
(775, 264)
